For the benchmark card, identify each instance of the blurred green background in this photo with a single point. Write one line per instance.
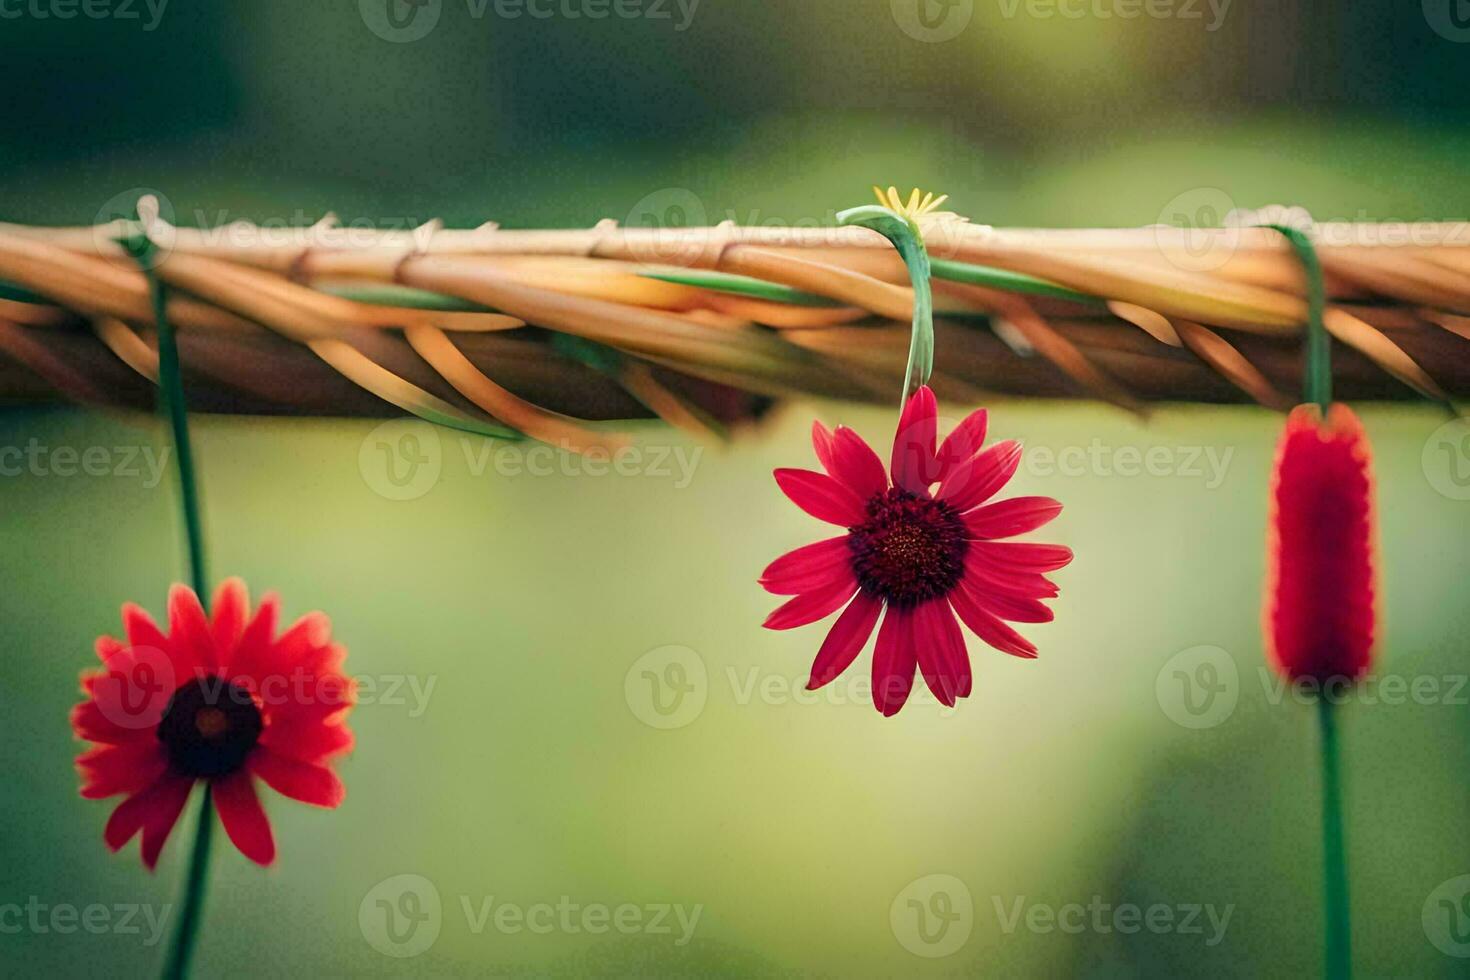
(519, 612)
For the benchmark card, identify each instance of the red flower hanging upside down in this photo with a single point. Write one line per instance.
(925, 555)
(1320, 610)
(222, 699)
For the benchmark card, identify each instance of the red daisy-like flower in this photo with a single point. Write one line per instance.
(1320, 614)
(222, 699)
(925, 555)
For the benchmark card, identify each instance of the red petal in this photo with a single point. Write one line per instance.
(188, 633)
(893, 662)
(822, 443)
(130, 695)
(1320, 610)
(963, 443)
(822, 497)
(983, 580)
(975, 481)
(845, 640)
(988, 627)
(231, 607)
(252, 655)
(1021, 556)
(306, 699)
(306, 639)
(812, 606)
(107, 647)
(307, 740)
(140, 628)
(914, 467)
(1017, 610)
(131, 814)
(243, 817)
(302, 781)
(1010, 517)
(953, 639)
(90, 724)
(162, 817)
(856, 466)
(809, 568)
(932, 649)
(126, 768)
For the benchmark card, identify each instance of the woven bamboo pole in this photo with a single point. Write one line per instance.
(542, 330)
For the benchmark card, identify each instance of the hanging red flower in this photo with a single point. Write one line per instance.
(926, 556)
(1320, 619)
(222, 699)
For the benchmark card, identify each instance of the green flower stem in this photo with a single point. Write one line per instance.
(171, 389)
(1337, 955)
(1317, 382)
(909, 241)
(1005, 279)
(947, 269)
(181, 949)
(171, 395)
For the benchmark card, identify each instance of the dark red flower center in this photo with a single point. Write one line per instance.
(209, 727)
(911, 549)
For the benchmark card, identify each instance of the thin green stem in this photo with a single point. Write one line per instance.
(1317, 380)
(1337, 956)
(186, 932)
(909, 242)
(171, 390)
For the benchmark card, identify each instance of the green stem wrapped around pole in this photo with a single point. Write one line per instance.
(1317, 382)
(171, 396)
(906, 237)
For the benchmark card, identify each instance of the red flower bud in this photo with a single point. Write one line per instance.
(1320, 619)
